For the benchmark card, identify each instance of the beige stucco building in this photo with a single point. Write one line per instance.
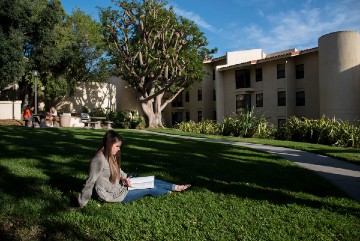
(324, 80)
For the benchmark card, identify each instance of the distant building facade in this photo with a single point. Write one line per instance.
(309, 83)
(324, 80)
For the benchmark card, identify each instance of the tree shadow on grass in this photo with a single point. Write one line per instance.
(230, 170)
(54, 158)
(63, 157)
(184, 160)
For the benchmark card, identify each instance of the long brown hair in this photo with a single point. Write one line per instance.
(109, 139)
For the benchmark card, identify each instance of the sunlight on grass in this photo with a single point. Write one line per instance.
(343, 153)
(237, 193)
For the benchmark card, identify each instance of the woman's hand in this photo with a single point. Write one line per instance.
(126, 182)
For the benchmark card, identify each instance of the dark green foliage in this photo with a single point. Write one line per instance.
(322, 131)
(247, 124)
(100, 112)
(157, 52)
(64, 49)
(15, 15)
(126, 119)
(244, 124)
(204, 126)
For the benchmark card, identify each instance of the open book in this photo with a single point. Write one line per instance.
(142, 182)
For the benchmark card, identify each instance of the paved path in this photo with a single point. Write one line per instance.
(344, 175)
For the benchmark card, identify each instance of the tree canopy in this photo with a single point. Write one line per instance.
(64, 49)
(157, 52)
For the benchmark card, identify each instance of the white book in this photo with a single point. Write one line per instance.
(142, 182)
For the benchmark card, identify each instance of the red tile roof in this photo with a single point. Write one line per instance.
(271, 58)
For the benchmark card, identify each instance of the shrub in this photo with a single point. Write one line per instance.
(126, 119)
(322, 131)
(189, 126)
(265, 130)
(209, 127)
(101, 112)
(85, 109)
(204, 126)
(247, 124)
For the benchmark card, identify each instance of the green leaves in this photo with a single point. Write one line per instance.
(247, 124)
(158, 53)
(64, 49)
(321, 131)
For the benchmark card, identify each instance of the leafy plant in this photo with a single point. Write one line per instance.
(98, 112)
(204, 126)
(246, 124)
(322, 131)
(128, 119)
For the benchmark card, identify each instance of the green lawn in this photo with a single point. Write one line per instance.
(238, 193)
(342, 153)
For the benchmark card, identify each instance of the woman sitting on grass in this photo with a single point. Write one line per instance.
(111, 183)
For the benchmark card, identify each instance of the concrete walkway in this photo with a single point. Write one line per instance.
(344, 175)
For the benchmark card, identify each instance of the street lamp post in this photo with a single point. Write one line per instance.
(36, 73)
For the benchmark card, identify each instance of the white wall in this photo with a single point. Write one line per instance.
(91, 95)
(10, 110)
(242, 56)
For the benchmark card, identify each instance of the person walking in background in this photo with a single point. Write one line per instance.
(109, 181)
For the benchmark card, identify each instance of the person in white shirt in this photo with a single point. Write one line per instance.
(53, 117)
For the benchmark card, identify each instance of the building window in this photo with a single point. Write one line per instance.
(280, 71)
(199, 115)
(187, 96)
(242, 78)
(213, 74)
(243, 102)
(176, 118)
(299, 71)
(177, 102)
(214, 95)
(281, 98)
(187, 116)
(300, 98)
(259, 100)
(199, 94)
(214, 113)
(258, 74)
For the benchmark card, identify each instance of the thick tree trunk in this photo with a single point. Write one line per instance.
(152, 113)
(155, 120)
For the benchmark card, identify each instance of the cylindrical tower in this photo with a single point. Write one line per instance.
(339, 75)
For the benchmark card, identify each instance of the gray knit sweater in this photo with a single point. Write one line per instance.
(99, 177)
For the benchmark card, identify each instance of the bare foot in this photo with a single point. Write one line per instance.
(180, 188)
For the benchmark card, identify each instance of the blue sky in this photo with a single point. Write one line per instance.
(271, 25)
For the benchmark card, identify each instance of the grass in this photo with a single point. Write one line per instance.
(342, 153)
(239, 194)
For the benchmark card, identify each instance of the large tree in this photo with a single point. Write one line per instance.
(157, 52)
(15, 15)
(64, 49)
(81, 49)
